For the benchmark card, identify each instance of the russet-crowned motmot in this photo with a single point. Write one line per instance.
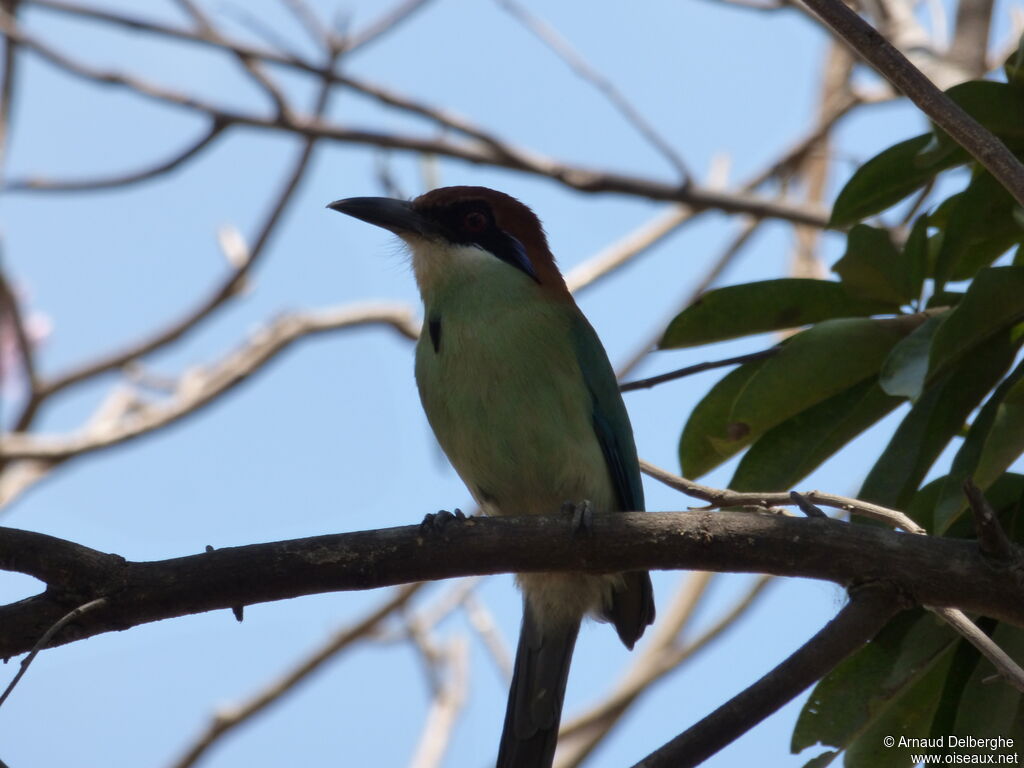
(523, 400)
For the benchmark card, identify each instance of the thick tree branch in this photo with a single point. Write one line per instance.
(931, 571)
(870, 608)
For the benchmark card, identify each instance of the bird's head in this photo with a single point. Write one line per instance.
(465, 234)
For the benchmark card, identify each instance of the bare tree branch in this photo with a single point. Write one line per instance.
(689, 370)
(201, 386)
(870, 608)
(991, 537)
(36, 184)
(724, 498)
(893, 65)
(445, 707)
(482, 622)
(665, 653)
(388, 22)
(226, 720)
(574, 177)
(970, 38)
(564, 50)
(937, 572)
(234, 281)
(7, 85)
(206, 29)
(10, 307)
(1007, 668)
(625, 249)
(45, 640)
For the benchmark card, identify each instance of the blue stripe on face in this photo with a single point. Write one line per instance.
(514, 253)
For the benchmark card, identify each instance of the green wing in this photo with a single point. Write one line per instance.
(611, 422)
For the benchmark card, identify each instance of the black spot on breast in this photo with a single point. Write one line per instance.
(434, 327)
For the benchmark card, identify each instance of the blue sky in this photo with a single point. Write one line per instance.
(331, 436)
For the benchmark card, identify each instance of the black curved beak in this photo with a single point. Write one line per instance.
(397, 216)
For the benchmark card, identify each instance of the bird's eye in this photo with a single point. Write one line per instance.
(474, 221)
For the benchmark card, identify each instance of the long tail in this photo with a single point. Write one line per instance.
(530, 733)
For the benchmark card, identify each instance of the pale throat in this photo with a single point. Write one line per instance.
(450, 272)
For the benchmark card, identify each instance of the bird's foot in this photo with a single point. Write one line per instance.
(582, 514)
(436, 522)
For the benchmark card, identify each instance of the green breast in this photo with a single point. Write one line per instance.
(504, 394)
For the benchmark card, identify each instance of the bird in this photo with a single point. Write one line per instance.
(524, 402)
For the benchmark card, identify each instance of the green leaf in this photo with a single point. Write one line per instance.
(889, 177)
(890, 683)
(757, 396)
(915, 254)
(709, 438)
(999, 107)
(768, 305)
(1014, 66)
(905, 369)
(980, 227)
(986, 710)
(993, 302)
(933, 421)
(786, 454)
(872, 268)
(993, 443)
(822, 760)
(807, 369)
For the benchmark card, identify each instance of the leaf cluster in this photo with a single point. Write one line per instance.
(928, 318)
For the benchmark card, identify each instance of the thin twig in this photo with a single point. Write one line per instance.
(574, 177)
(226, 290)
(970, 40)
(482, 622)
(446, 706)
(1007, 668)
(992, 539)
(10, 306)
(665, 653)
(201, 386)
(388, 22)
(805, 506)
(206, 28)
(7, 86)
(227, 720)
(690, 370)
(36, 184)
(746, 230)
(717, 497)
(564, 50)
(318, 32)
(45, 639)
(626, 248)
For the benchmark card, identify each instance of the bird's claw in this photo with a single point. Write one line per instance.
(582, 516)
(436, 522)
